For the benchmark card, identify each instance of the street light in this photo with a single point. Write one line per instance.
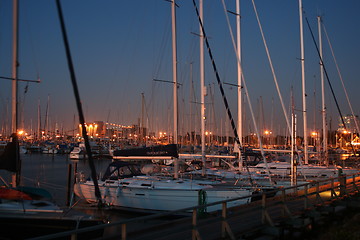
(267, 133)
(314, 136)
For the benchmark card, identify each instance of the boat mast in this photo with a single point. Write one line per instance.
(202, 90)
(39, 121)
(78, 104)
(302, 59)
(174, 62)
(323, 107)
(14, 100)
(142, 130)
(47, 129)
(239, 87)
(190, 104)
(293, 141)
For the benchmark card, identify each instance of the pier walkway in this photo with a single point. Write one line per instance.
(292, 212)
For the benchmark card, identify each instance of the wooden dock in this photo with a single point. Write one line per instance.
(292, 212)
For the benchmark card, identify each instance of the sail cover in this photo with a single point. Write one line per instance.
(159, 150)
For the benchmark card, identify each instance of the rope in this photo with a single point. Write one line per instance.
(271, 65)
(328, 80)
(248, 98)
(341, 78)
(78, 102)
(202, 200)
(236, 136)
(40, 183)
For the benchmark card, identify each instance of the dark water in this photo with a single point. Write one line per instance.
(50, 171)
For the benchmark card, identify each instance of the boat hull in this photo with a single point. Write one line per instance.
(151, 199)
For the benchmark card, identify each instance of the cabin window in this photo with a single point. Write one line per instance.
(146, 185)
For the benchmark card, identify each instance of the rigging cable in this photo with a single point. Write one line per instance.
(328, 80)
(220, 86)
(78, 103)
(271, 65)
(341, 79)
(248, 97)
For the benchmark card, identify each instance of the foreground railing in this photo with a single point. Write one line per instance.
(229, 222)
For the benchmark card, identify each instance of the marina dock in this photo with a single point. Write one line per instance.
(292, 212)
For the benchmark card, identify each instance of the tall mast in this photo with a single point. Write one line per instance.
(293, 141)
(39, 122)
(238, 48)
(190, 103)
(78, 104)
(47, 124)
(202, 89)
(302, 59)
(14, 100)
(6, 132)
(174, 61)
(142, 130)
(323, 107)
(14, 90)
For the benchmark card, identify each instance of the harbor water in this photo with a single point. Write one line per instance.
(50, 172)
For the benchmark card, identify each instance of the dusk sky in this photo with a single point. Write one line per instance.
(119, 46)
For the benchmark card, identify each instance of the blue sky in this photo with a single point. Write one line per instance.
(119, 47)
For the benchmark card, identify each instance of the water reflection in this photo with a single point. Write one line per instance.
(50, 171)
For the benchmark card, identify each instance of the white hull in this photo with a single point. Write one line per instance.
(147, 195)
(77, 153)
(49, 151)
(76, 156)
(309, 171)
(28, 206)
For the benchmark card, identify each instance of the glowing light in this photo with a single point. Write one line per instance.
(314, 134)
(267, 132)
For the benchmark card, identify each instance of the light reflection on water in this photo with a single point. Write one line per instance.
(50, 172)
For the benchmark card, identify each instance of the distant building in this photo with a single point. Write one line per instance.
(350, 123)
(102, 129)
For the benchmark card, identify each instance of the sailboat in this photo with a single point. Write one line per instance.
(125, 186)
(27, 212)
(32, 209)
(156, 193)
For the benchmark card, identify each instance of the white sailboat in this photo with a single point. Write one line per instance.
(307, 171)
(77, 153)
(125, 186)
(151, 193)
